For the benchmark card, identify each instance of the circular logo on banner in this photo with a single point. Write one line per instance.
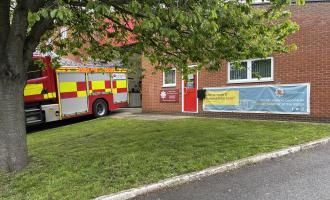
(279, 92)
(163, 94)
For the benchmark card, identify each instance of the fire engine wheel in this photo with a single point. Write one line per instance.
(100, 108)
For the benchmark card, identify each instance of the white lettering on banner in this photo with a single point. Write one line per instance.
(279, 99)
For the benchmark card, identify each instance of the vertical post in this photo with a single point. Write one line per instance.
(127, 87)
(58, 94)
(87, 92)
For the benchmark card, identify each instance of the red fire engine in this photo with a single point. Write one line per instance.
(71, 91)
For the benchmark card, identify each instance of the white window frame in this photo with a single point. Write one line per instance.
(169, 84)
(256, 2)
(64, 33)
(249, 78)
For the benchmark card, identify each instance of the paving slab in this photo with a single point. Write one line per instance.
(136, 113)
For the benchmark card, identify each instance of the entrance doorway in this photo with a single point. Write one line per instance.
(189, 94)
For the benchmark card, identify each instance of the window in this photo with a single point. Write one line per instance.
(254, 70)
(260, 1)
(239, 74)
(34, 71)
(64, 33)
(256, 1)
(169, 78)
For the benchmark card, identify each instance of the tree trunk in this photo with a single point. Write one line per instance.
(13, 147)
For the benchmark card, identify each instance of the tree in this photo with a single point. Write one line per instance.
(169, 32)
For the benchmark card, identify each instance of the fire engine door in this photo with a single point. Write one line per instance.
(72, 88)
(119, 87)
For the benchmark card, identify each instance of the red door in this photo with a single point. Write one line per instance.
(190, 94)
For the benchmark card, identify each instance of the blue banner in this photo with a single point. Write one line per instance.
(279, 99)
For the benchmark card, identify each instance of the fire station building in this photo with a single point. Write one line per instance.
(292, 86)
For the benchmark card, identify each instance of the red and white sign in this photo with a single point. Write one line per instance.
(169, 96)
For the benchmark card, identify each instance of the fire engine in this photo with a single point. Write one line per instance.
(72, 91)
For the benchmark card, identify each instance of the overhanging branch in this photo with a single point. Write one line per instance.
(35, 5)
(123, 10)
(33, 39)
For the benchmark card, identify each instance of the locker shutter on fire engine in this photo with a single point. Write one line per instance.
(73, 93)
(119, 84)
(99, 83)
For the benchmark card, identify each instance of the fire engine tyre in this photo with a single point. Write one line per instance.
(100, 108)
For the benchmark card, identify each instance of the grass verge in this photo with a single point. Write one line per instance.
(102, 156)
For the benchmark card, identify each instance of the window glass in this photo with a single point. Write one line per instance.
(256, 1)
(169, 77)
(64, 33)
(260, 1)
(240, 73)
(190, 83)
(34, 71)
(262, 68)
(253, 70)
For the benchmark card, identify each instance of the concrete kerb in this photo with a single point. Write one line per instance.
(185, 178)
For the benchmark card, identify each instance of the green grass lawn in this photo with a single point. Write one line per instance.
(103, 156)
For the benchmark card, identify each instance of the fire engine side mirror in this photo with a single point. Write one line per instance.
(201, 94)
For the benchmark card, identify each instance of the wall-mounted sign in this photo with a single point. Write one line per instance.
(118, 76)
(279, 99)
(169, 96)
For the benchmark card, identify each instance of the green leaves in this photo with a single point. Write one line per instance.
(33, 18)
(300, 2)
(102, 9)
(62, 13)
(39, 63)
(53, 13)
(170, 33)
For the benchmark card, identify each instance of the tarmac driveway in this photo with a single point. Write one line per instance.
(300, 176)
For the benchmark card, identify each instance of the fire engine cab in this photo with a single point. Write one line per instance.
(72, 91)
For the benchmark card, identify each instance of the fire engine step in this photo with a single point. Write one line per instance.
(33, 116)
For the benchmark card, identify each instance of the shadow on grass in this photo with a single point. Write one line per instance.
(56, 124)
(66, 122)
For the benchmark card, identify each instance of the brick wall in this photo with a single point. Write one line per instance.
(309, 64)
(152, 83)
